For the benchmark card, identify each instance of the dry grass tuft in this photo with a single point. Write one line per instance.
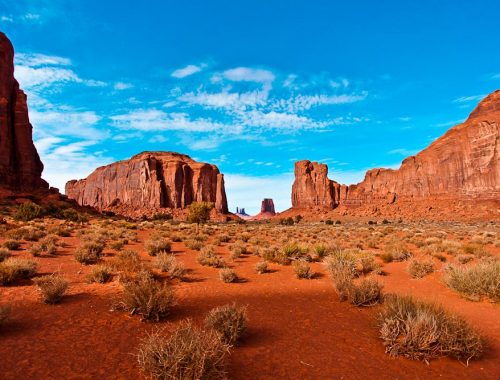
(14, 269)
(419, 269)
(99, 274)
(476, 282)
(188, 353)
(421, 330)
(228, 321)
(167, 263)
(52, 287)
(261, 267)
(228, 275)
(302, 270)
(145, 296)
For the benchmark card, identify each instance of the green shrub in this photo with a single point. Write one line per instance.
(188, 353)
(199, 212)
(228, 321)
(422, 330)
(28, 211)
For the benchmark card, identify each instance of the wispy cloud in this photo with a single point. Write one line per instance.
(466, 99)
(248, 74)
(403, 151)
(187, 71)
(120, 86)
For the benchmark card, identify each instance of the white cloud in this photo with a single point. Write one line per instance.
(65, 121)
(187, 71)
(248, 191)
(306, 102)
(6, 18)
(466, 99)
(157, 120)
(225, 99)
(248, 74)
(64, 160)
(403, 151)
(35, 59)
(122, 86)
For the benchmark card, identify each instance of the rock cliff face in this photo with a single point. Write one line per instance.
(267, 206)
(20, 165)
(463, 164)
(150, 182)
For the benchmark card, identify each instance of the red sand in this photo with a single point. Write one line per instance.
(298, 329)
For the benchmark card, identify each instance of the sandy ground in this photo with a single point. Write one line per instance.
(298, 329)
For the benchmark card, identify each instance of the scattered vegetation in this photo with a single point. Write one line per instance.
(89, 252)
(145, 296)
(99, 274)
(261, 267)
(476, 282)
(228, 275)
(13, 269)
(188, 353)
(52, 287)
(157, 246)
(420, 268)
(228, 321)
(167, 263)
(421, 330)
(199, 212)
(302, 270)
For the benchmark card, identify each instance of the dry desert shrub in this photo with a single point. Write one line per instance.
(367, 292)
(4, 254)
(12, 244)
(475, 249)
(420, 268)
(89, 252)
(302, 270)
(99, 274)
(228, 275)
(155, 246)
(207, 257)
(464, 259)
(228, 321)
(261, 267)
(145, 296)
(13, 269)
(126, 261)
(52, 287)
(193, 244)
(475, 282)
(422, 330)
(188, 353)
(167, 263)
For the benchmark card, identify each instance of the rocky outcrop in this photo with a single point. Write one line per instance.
(266, 210)
(20, 165)
(463, 164)
(150, 182)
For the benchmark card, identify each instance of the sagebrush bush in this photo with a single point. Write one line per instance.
(4, 254)
(126, 261)
(99, 274)
(422, 330)
(207, 257)
(302, 270)
(167, 263)
(367, 292)
(228, 275)
(28, 211)
(476, 282)
(89, 252)
(12, 244)
(13, 269)
(420, 268)
(187, 353)
(52, 287)
(396, 252)
(155, 246)
(150, 299)
(261, 267)
(228, 321)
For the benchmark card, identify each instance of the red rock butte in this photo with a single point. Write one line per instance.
(20, 165)
(150, 182)
(462, 165)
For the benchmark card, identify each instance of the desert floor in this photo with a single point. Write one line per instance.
(298, 328)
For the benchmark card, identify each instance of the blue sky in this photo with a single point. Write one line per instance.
(251, 86)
